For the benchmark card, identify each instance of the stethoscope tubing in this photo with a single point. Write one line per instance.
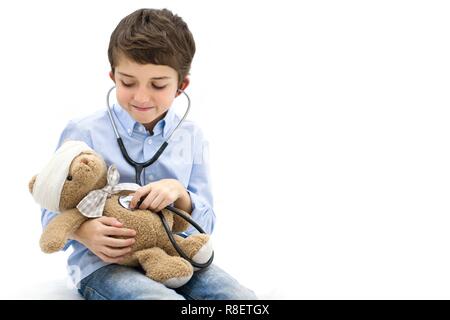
(173, 241)
(139, 166)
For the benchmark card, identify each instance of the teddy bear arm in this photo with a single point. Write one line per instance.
(179, 224)
(58, 230)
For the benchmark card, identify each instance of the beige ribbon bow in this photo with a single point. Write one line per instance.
(93, 204)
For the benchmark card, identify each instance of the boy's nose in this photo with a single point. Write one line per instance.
(141, 97)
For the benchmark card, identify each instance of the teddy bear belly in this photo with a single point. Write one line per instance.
(149, 229)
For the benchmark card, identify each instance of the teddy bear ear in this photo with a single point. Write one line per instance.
(31, 184)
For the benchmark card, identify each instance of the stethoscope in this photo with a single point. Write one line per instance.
(139, 166)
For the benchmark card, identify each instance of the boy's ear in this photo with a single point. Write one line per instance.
(31, 184)
(183, 86)
(111, 75)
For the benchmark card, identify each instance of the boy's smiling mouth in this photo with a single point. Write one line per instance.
(142, 108)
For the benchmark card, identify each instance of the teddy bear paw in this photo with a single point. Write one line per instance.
(172, 271)
(176, 282)
(51, 245)
(184, 273)
(204, 254)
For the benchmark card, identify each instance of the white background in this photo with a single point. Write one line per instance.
(328, 124)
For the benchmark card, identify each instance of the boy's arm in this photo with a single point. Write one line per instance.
(184, 201)
(199, 187)
(202, 213)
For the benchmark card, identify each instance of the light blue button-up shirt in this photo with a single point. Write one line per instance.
(184, 159)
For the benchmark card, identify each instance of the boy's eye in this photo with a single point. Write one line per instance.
(127, 84)
(132, 84)
(158, 88)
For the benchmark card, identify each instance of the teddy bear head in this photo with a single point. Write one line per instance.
(64, 182)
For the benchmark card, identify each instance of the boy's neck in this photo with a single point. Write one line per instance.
(149, 126)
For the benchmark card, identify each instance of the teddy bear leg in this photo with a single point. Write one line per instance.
(58, 230)
(173, 272)
(197, 247)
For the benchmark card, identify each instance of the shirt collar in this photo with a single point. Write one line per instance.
(163, 126)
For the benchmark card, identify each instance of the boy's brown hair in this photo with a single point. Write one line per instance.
(153, 36)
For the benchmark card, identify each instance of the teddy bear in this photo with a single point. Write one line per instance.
(77, 184)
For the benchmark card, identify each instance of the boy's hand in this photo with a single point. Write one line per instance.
(157, 195)
(100, 235)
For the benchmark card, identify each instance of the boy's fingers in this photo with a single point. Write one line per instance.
(147, 201)
(136, 198)
(120, 232)
(156, 202)
(105, 258)
(119, 243)
(162, 206)
(138, 195)
(115, 253)
(110, 221)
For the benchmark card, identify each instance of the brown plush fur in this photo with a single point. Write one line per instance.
(152, 249)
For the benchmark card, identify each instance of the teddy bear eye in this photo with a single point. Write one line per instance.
(69, 178)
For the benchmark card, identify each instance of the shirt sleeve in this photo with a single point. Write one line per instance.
(199, 187)
(71, 132)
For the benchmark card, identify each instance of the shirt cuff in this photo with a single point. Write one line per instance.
(202, 213)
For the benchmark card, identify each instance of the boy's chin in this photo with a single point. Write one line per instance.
(144, 120)
(143, 116)
(149, 120)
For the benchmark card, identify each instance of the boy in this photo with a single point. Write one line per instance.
(150, 53)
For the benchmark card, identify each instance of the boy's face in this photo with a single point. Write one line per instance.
(145, 91)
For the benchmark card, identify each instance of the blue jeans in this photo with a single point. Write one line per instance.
(116, 282)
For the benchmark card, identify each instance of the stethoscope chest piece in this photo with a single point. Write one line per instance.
(124, 201)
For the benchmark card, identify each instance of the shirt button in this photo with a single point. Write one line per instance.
(151, 177)
(149, 141)
(129, 131)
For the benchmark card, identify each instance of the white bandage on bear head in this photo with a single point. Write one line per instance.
(50, 181)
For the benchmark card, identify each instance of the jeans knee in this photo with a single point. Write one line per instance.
(159, 296)
(237, 292)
